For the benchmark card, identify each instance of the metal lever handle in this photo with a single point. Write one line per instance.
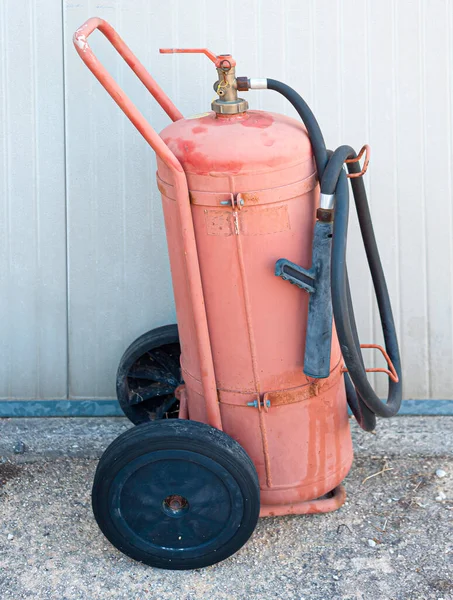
(126, 105)
(222, 61)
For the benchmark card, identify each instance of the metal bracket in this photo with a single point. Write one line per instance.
(391, 373)
(289, 271)
(364, 150)
(259, 403)
(236, 201)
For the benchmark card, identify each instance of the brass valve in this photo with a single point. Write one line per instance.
(225, 87)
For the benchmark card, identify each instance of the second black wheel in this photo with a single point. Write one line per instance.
(148, 375)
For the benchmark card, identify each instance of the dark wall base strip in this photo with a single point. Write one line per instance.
(423, 408)
(427, 407)
(60, 408)
(110, 408)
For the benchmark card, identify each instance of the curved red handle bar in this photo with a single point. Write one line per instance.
(179, 182)
(126, 105)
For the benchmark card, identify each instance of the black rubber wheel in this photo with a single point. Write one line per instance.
(176, 494)
(148, 374)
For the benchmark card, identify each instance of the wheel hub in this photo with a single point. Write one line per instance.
(175, 505)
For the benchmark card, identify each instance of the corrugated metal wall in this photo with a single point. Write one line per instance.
(84, 266)
(33, 282)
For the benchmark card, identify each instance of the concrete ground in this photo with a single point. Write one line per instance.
(392, 540)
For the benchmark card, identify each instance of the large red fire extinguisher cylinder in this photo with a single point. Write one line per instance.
(254, 194)
(263, 425)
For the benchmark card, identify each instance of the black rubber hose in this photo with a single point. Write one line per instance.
(362, 399)
(334, 180)
(341, 295)
(380, 287)
(309, 120)
(343, 311)
(364, 416)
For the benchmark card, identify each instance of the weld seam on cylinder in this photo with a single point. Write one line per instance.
(253, 354)
(267, 461)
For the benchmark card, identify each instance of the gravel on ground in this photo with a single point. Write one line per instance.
(393, 539)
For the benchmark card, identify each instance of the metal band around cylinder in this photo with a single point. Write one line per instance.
(327, 201)
(258, 83)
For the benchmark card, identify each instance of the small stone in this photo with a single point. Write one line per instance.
(10, 536)
(441, 473)
(335, 577)
(371, 543)
(19, 447)
(440, 497)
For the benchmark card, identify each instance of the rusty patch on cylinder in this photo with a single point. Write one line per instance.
(218, 222)
(251, 198)
(284, 397)
(160, 187)
(264, 220)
